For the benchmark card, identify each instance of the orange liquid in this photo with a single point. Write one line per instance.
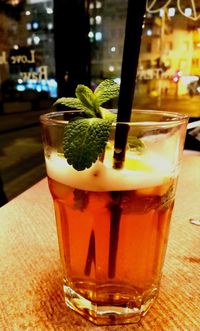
(112, 244)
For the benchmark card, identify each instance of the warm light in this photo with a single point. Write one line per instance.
(111, 68)
(149, 32)
(177, 76)
(91, 34)
(27, 13)
(98, 4)
(14, 2)
(188, 11)
(91, 20)
(175, 79)
(20, 88)
(28, 26)
(38, 88)
(161, 13)
(16, 47)
(98, 19)
(49, 10)
(35, 25)
(98, 36)
(113, 49)
(50, 26)
(36, 40)
(171, 12)
(29, 41)
(52, 82)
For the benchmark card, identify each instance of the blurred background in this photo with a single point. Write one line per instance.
(48, 47)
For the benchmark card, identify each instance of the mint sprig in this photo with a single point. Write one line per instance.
(91, 102)
(85, 138)
(106, 90)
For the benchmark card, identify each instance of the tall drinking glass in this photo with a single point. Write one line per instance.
(113, 224)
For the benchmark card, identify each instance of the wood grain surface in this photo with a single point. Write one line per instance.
(31, 296)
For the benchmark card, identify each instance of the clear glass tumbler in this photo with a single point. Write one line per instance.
(113, 224)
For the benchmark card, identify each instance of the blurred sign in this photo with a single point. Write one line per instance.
(40, 73)
(23, 62)
(154, 73)
(23, 58)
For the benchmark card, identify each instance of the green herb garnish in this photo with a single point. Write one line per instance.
(85, 138)
(90, 102)
(135, 144)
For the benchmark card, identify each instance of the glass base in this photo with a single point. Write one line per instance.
(117, 307)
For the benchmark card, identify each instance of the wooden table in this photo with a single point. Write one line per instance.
(31, 296)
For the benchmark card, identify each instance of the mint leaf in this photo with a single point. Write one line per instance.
(90, 101)
(75, 104)
(69, 102)
(135, 144)
(107, 114)
(106, 90)
(84, 139)
(86, 96)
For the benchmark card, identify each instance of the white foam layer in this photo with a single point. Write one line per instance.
(102, 177)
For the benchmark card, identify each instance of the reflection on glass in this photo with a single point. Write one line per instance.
(169, 60)
(27, 65)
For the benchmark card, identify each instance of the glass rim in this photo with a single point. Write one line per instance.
(172, 118)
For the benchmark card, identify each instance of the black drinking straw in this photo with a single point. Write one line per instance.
(91, 257)
(132, 41)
